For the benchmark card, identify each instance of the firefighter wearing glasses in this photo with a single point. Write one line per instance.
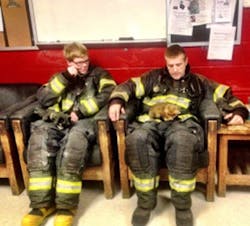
(60, 141)
(179, 141)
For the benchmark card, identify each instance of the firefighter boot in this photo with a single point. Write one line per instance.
(64, 217)
(146, 202)
(182, 202)
(37, 216)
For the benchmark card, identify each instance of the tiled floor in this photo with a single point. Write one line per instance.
(95, 210)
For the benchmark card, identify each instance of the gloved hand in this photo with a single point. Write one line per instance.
(60, 119)
(43, 113)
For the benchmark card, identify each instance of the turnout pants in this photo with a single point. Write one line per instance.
(178, 145)
(56, 159)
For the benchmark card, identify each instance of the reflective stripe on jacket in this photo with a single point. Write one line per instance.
(157, 86)
(87, 95)
(222, 95)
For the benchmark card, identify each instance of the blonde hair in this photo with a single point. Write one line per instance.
(74, 50)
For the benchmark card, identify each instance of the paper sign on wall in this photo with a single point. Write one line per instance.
(221, 42)
(246, 3)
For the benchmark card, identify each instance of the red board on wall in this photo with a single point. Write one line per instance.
(127, 61)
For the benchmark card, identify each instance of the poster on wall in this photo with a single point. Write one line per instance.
(246, 3)
(189, 21)
(221, 42)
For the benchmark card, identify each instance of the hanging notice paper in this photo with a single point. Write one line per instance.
(179, 22)
(221, 42)
(246, 3)
(224, 11)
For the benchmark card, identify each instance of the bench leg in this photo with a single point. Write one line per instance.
(11, 166)
(223, 156)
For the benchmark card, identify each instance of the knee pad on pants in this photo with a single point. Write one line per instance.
(142, 153)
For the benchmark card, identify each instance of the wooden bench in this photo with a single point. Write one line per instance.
(225, 175)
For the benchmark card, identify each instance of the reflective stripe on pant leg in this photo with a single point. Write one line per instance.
(41, 189)
(145, 184)
(73, 156)
(182, 185)
(40, 183)
(68, 189)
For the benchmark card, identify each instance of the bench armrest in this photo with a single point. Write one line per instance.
(7, 113)
(209, 111)
(25, 116)
(102, 115)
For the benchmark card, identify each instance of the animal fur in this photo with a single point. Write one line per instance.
(164, 111)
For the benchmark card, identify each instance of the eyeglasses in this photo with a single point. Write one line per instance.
(82, 62)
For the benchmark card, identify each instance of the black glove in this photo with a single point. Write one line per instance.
(60, 119)
(43, 113)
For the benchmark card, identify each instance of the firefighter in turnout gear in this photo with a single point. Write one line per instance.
(60, 140)
(177, 141)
